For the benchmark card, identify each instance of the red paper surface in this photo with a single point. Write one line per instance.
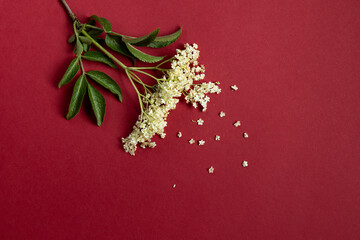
(297, 67)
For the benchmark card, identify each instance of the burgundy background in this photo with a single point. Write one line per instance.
(297, 67)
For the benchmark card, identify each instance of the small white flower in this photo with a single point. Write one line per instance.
(162, 135)
(217, 138)
(246, 135)
(174, 185)
(222, 114)
(245, 164)
(192, 141)
(201, 142)
(151, 145)
(237, 124)
(200, 121)
(217, 83)
(179, 135)
(211, 169)
(234, 88)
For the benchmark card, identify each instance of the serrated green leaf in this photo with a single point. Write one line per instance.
(117, 44)
(164, 41)
(85, 39)
(144, 40)
(143, 56)
(97, 102)
(70, 73)
(98, 57)
(103, 22)
(77, 97)
(71, 39)
(106, 81)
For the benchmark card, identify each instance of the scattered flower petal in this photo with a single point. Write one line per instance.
(201, 142)
(245, 164)
(237, 124)
(234, 88)
(192, 141)
(211, 169)
(179, 135)
(222, 114)
(246, 135)
(217, 138)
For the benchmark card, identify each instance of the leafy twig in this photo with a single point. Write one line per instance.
(87, 34)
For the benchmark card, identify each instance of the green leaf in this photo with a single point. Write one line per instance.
(70, 73)
(103, 22)
(117, 44)
(86, 47)
(98, 57)
(71, 39)
(143, 41)
(84, 39)
(77, 97)
(78, 47)
(143, 56)
(106, 81)
(95, 32)
(92, 22)
(86, 43)
(100, 41)
(164, 41)
(97, 102)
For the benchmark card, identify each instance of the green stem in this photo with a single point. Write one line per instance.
(117, 34)
(157, 66)
(121, 35)
(75, 29)
(138, 80)
(81, 65)
(147, 74)
(149, 68)
(137, 91)
(91, 26)
(105, 51)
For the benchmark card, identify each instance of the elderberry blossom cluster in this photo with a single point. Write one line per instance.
(177, 80)
(197, 95)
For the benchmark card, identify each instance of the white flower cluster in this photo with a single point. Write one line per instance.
(184, 71)
(197, 95)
